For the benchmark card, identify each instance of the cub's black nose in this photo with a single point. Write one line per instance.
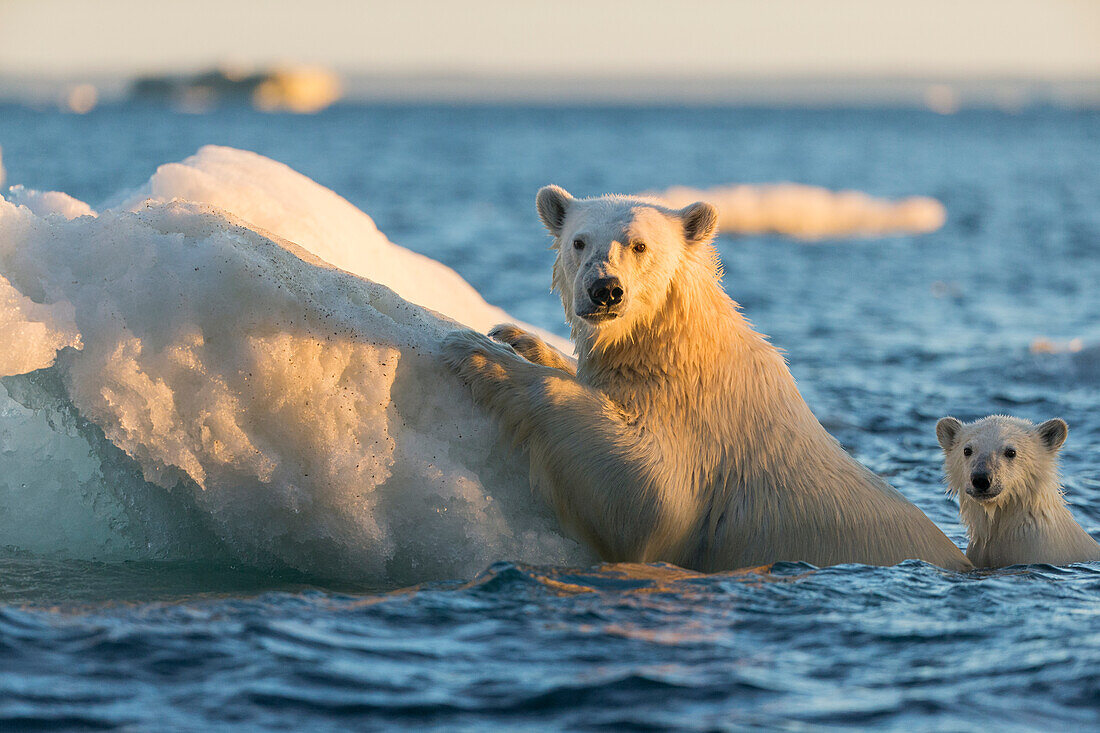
(606, 291)
(980, 481)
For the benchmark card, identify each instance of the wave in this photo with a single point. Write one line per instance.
(811, 212)
(229, 383)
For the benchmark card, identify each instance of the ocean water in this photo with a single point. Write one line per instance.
(884, 335)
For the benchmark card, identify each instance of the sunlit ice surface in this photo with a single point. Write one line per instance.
(297, 411)
(130, 603)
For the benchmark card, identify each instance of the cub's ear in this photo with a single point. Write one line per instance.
(946, 431)
(1053, 433)
(700, 221)
(553, 204)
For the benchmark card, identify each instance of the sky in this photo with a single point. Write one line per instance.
(841, 38)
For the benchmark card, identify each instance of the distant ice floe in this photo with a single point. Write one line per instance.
(810, 212)
(1044, 345)
(247, 371)
(1075, 360)
(298, 89)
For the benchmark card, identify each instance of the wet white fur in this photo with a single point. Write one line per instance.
(682, 436)
(1027, 521)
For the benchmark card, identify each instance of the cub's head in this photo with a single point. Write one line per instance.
(618, 256)
(998, 458)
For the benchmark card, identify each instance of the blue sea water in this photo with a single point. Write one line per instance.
(885, 336)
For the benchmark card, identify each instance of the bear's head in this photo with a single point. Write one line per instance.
(999, 458)
(619, 255)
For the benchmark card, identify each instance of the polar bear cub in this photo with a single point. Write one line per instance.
(1004, 472)
(679, 434)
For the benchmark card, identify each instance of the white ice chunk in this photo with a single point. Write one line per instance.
(45, 203)
(31, 333)
(299, 412)
(277, 199)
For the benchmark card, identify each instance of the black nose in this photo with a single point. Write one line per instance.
(606, 291)
(980, 481)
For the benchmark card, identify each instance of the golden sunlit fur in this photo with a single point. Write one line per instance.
(682, 436)
(1022, 518)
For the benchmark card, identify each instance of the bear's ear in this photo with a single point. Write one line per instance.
(553, 203)
(1053, 433)
(946, 430)
(700, 220)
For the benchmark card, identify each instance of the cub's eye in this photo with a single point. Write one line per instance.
(968, 451)
(578, 244)
(639, 247)
(1010, 452)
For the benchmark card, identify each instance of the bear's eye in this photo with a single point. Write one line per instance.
(578, 244)
(968, 451)
(1010, 452)
(639, 247)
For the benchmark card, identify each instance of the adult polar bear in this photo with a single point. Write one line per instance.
(680, 436)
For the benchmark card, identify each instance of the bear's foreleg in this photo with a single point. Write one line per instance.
(604, 477)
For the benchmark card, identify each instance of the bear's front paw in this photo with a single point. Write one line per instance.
(528, 346)
(507, 333)
(479, 360)
(458, 346)
(531, 347)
